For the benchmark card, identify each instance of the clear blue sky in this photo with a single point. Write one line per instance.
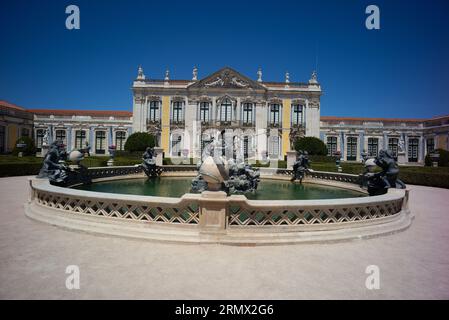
(401, 70)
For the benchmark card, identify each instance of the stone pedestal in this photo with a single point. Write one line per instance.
(213, 212)
(44, 150)
(402, 158)
(158, 152)
(291, 158)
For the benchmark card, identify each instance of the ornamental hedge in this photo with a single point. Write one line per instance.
(312, 145)
(443, 160)
(139, 141)
(26, 146)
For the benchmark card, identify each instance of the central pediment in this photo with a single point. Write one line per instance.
(227, 78)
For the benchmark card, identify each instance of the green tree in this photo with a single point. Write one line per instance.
(312, 145)
(139, 141)
(24, 145)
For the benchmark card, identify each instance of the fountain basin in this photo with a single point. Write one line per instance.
(214, 217)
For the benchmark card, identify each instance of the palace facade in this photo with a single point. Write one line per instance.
(253, 119)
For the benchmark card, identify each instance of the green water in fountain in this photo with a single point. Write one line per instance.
(177, 186)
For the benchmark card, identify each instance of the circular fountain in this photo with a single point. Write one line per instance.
(121, 201)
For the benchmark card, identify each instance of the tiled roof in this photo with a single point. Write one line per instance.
(331, 118)
(103, 113)
(7, 104)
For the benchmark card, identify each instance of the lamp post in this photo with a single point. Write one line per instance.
(111, 150)
(337, 156)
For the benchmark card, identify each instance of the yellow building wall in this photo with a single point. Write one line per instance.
(165, 121)
(12, 136)
(286, 106)
(442, 142)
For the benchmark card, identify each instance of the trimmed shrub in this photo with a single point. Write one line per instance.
(312, 145)
(443, 161)
(19, 169)
(139, 141)
(317, 158)
(27, 149)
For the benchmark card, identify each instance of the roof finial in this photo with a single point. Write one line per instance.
(287, 78)
(259, 75)
(195, 73)
(140, 75)
(167, 75)
(313, 78)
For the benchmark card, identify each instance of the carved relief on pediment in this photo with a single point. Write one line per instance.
(227, 78)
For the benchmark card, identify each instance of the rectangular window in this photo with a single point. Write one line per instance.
(245, 146)
(60, 136)
(413, 149)
(153, 111)
(275, 114)
(393, 146)
(204, 112)
(297, 115)
(25, 132)
(80, 139)
(2, 139)
(247, 113)
(100, 142)
(226, 111)
(39, 138)
(177, 115)
(331, 146)
(120, 139)
(373, 147)
(176, 145)
(430, 142)
(351, 149)
(273, 146)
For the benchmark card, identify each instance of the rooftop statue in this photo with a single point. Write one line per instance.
(149, 163)
(301, 166)
(379, 182)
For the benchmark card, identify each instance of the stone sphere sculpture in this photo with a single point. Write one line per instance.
(76, 156)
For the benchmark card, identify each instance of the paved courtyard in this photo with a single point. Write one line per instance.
(413, 264)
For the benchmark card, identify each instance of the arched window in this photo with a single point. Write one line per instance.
(226, 110)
